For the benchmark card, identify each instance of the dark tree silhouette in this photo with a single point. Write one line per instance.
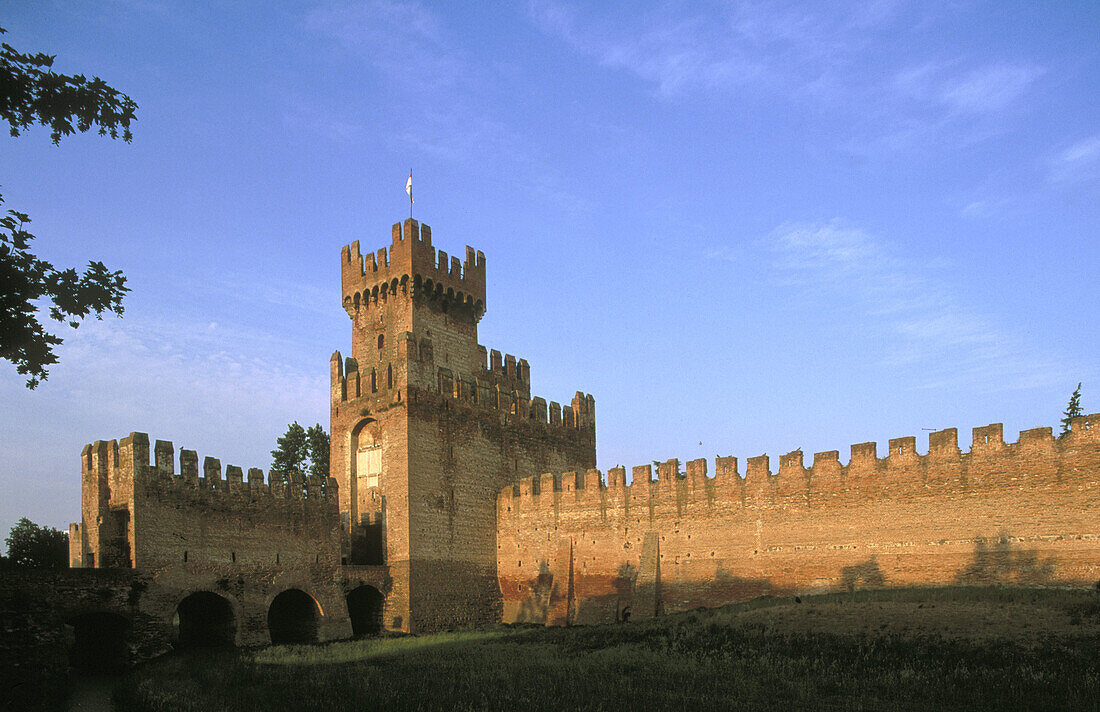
(31, 93)
(1073, 410)
(300, 452)
(33, 547)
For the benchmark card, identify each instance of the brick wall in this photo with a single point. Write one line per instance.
(573, 547)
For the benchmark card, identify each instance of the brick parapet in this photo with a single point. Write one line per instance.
(125, 464)
(411, 266)
(1036, 459)
(1014, 513)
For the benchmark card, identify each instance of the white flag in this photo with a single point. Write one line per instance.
(409, 187)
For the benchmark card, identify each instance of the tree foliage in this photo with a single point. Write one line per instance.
(1073, 410)
(33, 547)
(31, 93)
(300, 452)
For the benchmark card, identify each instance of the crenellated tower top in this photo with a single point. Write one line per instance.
(412, 266)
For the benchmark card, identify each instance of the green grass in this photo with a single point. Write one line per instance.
(734, 657)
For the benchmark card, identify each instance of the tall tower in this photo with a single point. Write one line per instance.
(427, 426)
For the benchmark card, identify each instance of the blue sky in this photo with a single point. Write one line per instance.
(743, 227)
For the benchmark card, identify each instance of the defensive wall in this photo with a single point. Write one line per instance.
(573, 547)
(222, 559)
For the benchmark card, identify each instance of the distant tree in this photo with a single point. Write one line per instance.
(317, 444)
(300, 452)
(1073, 410)
(33, 547)
(31, 93)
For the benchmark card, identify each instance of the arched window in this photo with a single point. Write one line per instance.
(381, 340)
(367, 446)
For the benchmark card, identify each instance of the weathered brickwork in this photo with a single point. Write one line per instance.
(245, 540)
(573, 547)
(436, 515)
(427, 426)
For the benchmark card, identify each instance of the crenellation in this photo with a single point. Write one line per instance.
(989, 438)
(726, 468)
(757, 468)
(668, 471)
(164, 456)
(466, 493)
(189, 467)
(1085, 427)
(864, 457)
(548, 483)
(697, 469)
(1037, 438)
(944, 443)
(791, 463)
(234, 478)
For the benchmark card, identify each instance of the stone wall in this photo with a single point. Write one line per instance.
(245, 540)
(574, 548)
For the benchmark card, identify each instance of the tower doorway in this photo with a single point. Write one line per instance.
(365, 605)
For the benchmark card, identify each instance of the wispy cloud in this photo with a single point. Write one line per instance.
(679, 48)
(988, 88)
(922, 323)
(958, 89)
(1078, 161)
(814, 55)
(227, 392)
(406, 40)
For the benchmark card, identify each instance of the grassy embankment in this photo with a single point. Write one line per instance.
(951, 648)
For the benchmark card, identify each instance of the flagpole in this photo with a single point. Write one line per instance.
(410, 194)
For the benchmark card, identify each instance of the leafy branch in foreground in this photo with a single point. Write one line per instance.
(31, 93)
(25, 279)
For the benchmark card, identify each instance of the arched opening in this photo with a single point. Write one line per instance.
(365, 610)
(99, 642)
(293, 618)
(367, 544)
(205, 620)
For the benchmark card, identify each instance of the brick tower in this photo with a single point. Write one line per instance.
(427, 427)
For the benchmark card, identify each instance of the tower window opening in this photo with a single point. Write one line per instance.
(185, 556)
(389, 376)
(381, 340)
(233, 556)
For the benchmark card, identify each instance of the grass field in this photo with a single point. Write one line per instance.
(948, 648)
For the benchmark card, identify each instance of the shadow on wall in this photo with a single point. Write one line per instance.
(624, 584)
(997, 561)
(866, 574)
(536, 607)
(625, 598)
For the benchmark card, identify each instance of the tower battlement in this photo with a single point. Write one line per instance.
(119, 468)
(411, 266)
